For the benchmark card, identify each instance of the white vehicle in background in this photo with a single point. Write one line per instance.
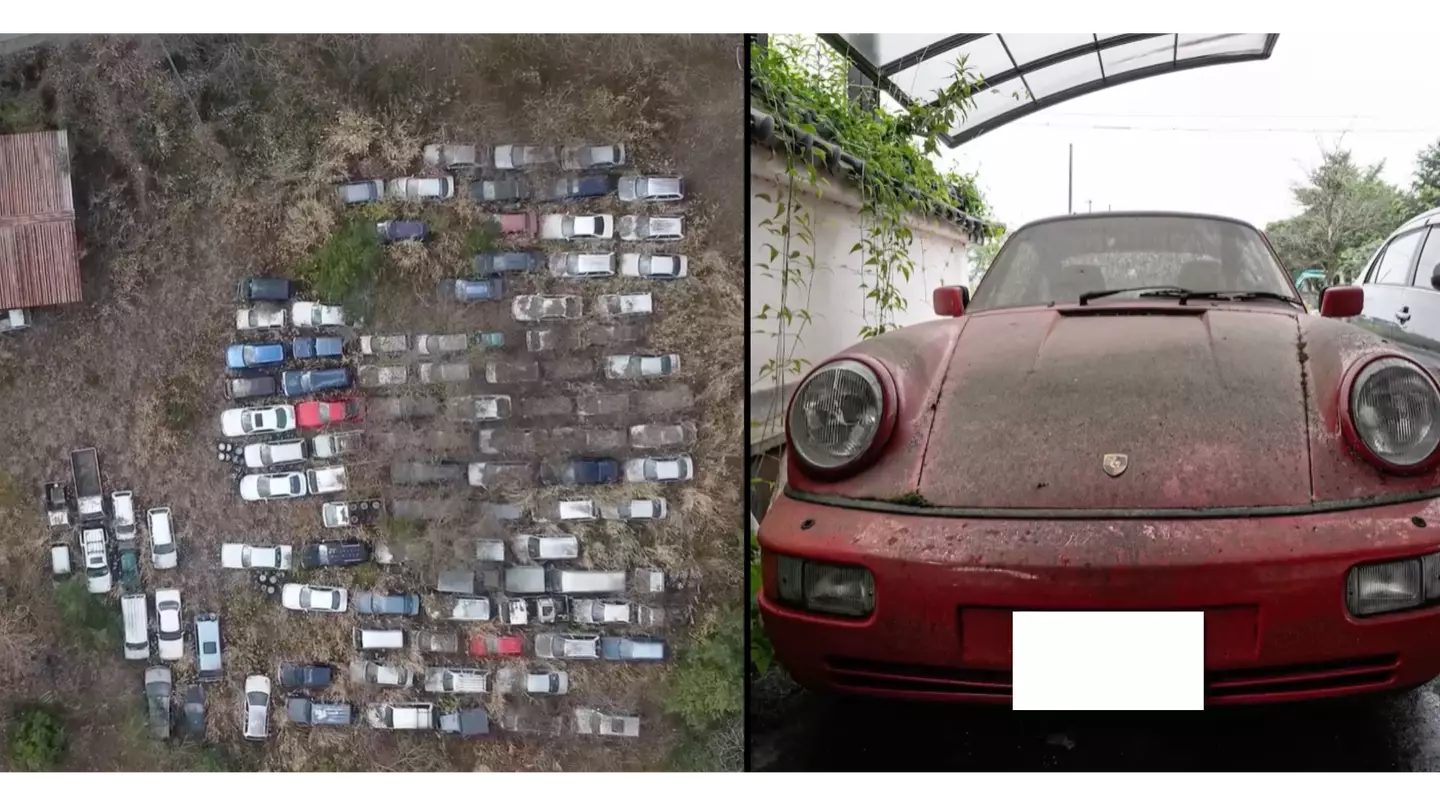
(651, 229)
(443, 372)
(330, 445)
(482, 408)
(122, 515)
(242, 555)
(274, 454)
(257, 707)
(522, 156)
(452, 156)
(592, 721)
(641, 366)
(641, 509)
(368, 672)
(654, 265)
(384, 344)
(170, 625)
(536, 682)
(659, 470)
(650, 188)
(605, 156)
(273, 486)
(260, 316)
(361, 191)
(456, 680)
(576, 511)
(135, 618)
(308, 314)
(94, 549)
(599, 611)
(163, 553)
(313, 598)
(536, 548)
(577, 226)
(556, 645)
(528, 308)
(622, 304)
(652, 436)
(421, 188)
(237, 422)
(582, 265)
(400, 716)
(460, 609)
(325, 480)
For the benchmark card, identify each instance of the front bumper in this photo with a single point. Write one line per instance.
(1272, 589)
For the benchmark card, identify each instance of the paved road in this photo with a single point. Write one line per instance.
(816, 733)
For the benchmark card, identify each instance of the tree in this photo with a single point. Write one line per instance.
(1426, 186)
(37, 738)
(981, 255)
(1344, 209)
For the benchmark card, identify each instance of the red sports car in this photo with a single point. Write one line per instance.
(486, 646)
(1134, 412)
(317, 414)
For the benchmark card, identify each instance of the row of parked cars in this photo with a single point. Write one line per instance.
(628, 188)
(660, 266)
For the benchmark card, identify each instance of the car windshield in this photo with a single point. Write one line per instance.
(1060, 260)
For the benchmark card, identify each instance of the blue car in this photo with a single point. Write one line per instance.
(462, 289)
(295, 383)
(402, 230)
(254, 355)
(582, 471)
(311, 347)
(397, 604)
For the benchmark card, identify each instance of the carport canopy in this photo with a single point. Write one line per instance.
(1024, 73)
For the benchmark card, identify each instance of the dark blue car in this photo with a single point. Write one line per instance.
(582, 471)
(317, 676)
(402, 230)
(472, 289)
(310, 347)
(254, 355)
(496, 264)
(295, 383)
(266, 289)
(577, 188)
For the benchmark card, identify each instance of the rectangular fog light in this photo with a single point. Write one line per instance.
(1384, 587)
(840, 589)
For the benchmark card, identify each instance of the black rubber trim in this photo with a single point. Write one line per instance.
(1003, 513)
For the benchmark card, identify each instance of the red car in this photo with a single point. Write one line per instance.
(1134, 412)
(485, 646)
(317, 414)
(524, 224)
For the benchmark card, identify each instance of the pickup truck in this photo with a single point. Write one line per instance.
(441, 344)
(454, 680)
(614, 648)
(576, 188)
(330, 445)
(499, 474)
(339, 514)
(57, 505)
(466, 723)
(89, 496)
(303, 711)
(482, 408)
(461, 609)
(158, 689)
(384, 344)
(555, 645)
(324, 480)
(93, 548)
(400, 716)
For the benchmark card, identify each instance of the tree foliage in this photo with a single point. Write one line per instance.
(37, 738)
(708, 686)
(1426, 187)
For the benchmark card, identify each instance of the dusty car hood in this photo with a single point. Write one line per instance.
(1207, 405)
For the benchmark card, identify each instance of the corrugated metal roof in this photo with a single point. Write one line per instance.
(39, 258)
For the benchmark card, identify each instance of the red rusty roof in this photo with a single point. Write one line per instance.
(39, 258)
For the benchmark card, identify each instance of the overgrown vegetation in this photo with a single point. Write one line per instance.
(180, 404)
(91, 620)
(344, 267)
(37, 737)
(706, 691)
(761, 654)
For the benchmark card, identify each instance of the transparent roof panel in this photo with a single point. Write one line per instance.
(1028, 72)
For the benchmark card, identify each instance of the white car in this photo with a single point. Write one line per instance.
(592, 157)
(242, 555)
(639, 366)
(456, 680)
(483, 408)
(257, 707)
(577, 226)
(640, 470)
(313, 598)
(163, 553)
(381, 674)
(310, 314)
(534, 548)
(642, 509)
(527, 308)
(260, 316)
(273, 486)
(384, 344)
(652, 229)
(274, 454)
(170, 629)
(93, 548)
(650, 188)
(521, 156)
(451, 156)
(421, 188)
(237, 422)
(441, 344)
(654, 265)
(591, 721)
(622, 304)
(582, 265)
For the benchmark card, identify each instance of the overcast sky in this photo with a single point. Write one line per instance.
(1379, 88)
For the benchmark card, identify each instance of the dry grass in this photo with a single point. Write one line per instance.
(174, 209)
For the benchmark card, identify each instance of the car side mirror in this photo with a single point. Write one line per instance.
(1341, 302)
(950, 302)
(1435, 276)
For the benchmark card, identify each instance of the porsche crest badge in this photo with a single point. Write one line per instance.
(1114, 464)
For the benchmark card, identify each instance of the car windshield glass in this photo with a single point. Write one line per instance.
(1060, 260)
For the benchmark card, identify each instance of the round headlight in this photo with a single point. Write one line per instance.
(836, 414)
(1396, 411)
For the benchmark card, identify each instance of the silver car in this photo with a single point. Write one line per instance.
(545, 307)
(593, 157)
(651, 188)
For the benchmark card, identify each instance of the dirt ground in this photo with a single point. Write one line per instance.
(202, 160)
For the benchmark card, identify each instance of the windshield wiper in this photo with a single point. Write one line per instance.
(1161, 289)
(1226, 295)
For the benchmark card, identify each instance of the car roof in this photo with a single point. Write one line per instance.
(1133, 214)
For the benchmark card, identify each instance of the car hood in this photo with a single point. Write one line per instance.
(1208, 407)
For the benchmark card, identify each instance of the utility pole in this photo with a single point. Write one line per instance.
(1070, 193)
(1089, 206)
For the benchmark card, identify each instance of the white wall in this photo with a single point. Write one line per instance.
(835, 297)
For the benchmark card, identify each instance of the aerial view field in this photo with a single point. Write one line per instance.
(430, 334)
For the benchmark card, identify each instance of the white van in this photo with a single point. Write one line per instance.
(558, 581)
(374, 638)
(134, 609)
(162, 538)
(60, 559)
(122, 506)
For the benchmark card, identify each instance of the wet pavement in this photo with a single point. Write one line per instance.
(808, 732)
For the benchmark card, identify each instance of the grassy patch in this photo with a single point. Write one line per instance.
(37, 738)
(21, 113)
(93, 621)
(10, 494)
(365, 576)
(345, 266)
(482, 238)
(911, 499)
(212, 760)
(706, 692)
(180, 405)
(399, 530)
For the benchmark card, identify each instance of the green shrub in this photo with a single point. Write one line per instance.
(37, 738)
(93, 620)
(345, 266)
(212, 760)
(761, 654)
(707, 686)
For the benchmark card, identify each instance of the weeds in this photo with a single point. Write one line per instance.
(37, 737)
(707, 693)
(92, 620)
(346, 265)
(21, 113)
(10, 495)
(180, 405)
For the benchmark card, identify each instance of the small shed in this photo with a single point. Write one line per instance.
(39, 257)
